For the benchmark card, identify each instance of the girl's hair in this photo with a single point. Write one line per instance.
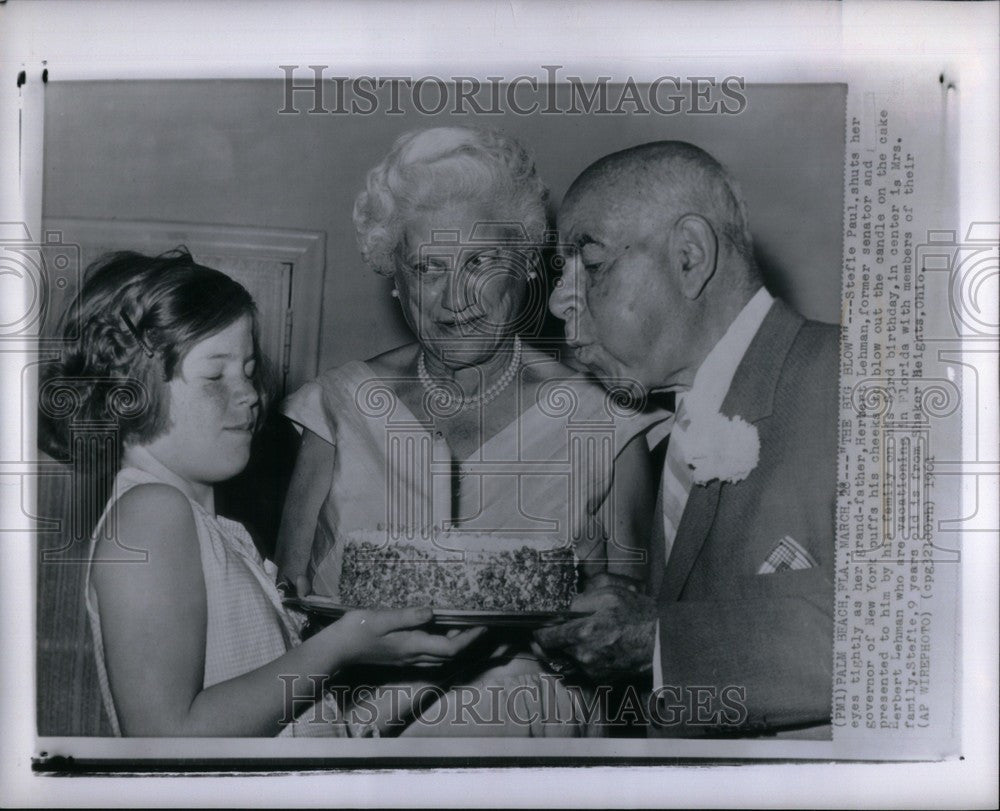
(429, 168)
(135, 320)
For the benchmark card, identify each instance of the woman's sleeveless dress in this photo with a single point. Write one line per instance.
(534, 476)
(247, 625)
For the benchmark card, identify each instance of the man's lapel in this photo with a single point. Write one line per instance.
(699, 513)
(751, 396)
(657, 544)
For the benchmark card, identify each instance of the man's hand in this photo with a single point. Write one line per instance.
(616, 641)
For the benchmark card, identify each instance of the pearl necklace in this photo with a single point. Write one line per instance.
(483, 397)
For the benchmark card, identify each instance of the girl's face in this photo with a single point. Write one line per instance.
(212, 409)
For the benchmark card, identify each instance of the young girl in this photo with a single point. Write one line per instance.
(190, 634)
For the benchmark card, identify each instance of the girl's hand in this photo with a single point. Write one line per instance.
(391, 637)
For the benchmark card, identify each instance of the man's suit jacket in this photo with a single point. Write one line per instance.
(763, 642)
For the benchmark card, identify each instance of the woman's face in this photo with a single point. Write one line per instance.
(212, 409)
(462, 289)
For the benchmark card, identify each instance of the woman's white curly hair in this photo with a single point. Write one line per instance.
(426, 169)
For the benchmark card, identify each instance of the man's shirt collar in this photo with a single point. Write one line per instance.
(715, 375)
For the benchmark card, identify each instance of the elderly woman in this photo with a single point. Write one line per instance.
(455, 217)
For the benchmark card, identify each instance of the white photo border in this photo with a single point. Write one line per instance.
(850, 42)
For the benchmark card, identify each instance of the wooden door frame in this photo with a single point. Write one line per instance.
(306, 250)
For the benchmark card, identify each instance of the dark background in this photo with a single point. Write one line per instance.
(219, 152)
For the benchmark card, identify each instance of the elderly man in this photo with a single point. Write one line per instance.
(660, 293)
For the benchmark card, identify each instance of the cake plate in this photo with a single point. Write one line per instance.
(324, 608)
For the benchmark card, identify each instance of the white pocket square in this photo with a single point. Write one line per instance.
(787, 554)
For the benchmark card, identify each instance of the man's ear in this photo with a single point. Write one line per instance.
(696, 251)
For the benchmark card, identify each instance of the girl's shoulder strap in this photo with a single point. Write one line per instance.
(128, 478)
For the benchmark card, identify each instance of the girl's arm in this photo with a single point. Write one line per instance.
(309, 487)
(153, 623)
(626, 515)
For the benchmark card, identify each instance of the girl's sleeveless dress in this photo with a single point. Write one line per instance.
(532, 477)
(247, 625)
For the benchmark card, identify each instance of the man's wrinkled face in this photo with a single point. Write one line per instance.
(620, 303)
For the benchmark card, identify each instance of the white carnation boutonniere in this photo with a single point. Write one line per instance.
(718, 447)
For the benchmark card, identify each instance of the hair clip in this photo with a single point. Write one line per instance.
(135, 334)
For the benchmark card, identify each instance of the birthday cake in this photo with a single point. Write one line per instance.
(457, 570)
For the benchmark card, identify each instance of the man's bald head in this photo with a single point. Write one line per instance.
(674, 178)
(659, 263)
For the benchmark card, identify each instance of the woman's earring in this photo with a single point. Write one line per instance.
(532, 275)
(394, 293)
